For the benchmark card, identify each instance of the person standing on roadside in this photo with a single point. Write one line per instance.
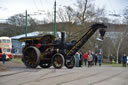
(124, 60)
(81, 59)
(96, 59)
(3, 58)
(90, 59)
(77, 55)
(85, 58)
(100, 57)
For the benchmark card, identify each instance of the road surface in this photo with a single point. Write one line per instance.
(104, 75)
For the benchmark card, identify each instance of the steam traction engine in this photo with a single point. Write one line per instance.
(47, 51)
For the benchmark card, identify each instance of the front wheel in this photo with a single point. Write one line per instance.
(70, 62)
(58, 61)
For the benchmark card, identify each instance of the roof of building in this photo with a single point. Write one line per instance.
(34, 34)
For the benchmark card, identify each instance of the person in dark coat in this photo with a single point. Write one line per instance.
(124, 60)
(81, 59)
(96, 59)
(3, 58)
(100, 57)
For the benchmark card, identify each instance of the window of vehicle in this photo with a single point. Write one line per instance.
(5, 41)
(8, 50)
(4, 50)
(8, 41)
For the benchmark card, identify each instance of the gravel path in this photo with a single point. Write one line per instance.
(10, 65)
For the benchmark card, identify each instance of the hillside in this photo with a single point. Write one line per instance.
(10, 30)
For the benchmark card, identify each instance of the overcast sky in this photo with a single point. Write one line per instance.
(11, 7)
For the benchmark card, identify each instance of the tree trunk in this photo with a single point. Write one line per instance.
(118, 49)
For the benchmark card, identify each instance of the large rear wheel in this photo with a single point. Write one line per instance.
(58, 61)
(31, 57)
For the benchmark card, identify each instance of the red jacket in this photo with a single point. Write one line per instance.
(85, 55)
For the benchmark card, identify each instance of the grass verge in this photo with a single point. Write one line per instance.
(113, 65)
(17, 60)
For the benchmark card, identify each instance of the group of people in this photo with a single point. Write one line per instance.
(88, 58)
(124, 60)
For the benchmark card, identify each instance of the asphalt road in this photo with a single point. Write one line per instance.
(96, 75)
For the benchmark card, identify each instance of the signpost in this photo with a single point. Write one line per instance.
(26, 24)
(55, 18)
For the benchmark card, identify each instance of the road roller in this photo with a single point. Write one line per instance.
(46, 51)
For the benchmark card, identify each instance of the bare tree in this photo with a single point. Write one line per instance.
(87, 12)
(82, 15)
(108, 47)
(65, 14)
(82, 6)
(49, 18)
(118, 39)
(126, 15)
(18, 23)
(121, 37)
(19, 20)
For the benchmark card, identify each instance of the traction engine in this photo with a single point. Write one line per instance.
(46, 51)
